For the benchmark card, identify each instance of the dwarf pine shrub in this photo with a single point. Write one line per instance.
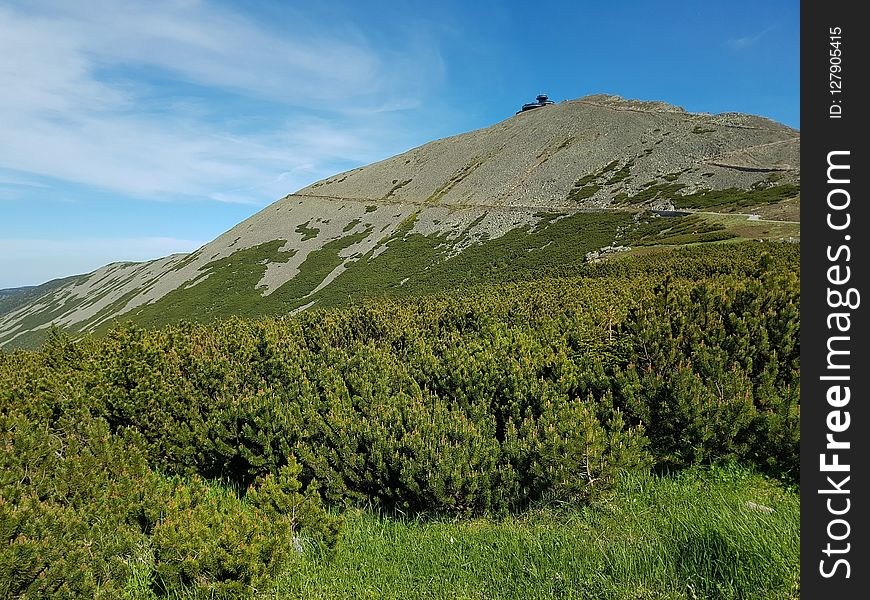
(211, 450)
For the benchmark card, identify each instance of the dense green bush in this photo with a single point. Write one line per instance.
(211, 541)
(80, 508)
(714, 373)
(74, 503)
(196, 455)
(569, 453)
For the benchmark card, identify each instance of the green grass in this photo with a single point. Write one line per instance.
(411, 265)
(414, 264)
(741, 226)
(591, 177)
(586, 179)
(312, 272)
(45, 312)
(620, 198)
(192, 257)
(30, 340)
(690, 536)
(682, 537)
(230, 287)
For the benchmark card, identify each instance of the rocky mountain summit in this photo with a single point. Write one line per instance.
(534, 158)
(475, 197)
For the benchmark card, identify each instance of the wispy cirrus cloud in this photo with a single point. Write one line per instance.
(742, 43)
(178, 99)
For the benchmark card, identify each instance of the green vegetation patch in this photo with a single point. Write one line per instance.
(12, 300)
(582, 193)
(307, 232)
(565, 143)
(654, 231)
(351, 225)
(622, 174)
(397, 185)
(225, 287)
(425, 261)
(586, 179)
(455, 179)
(44, 314)
(656, 191)
(734, 198)
(589, 185)
(741, 226)
(317, 265)
(190, 258)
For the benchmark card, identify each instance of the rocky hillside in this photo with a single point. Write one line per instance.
(535, 158)
(543, 187)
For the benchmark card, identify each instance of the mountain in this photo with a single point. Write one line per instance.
(541, 188)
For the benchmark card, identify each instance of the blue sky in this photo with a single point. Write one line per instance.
(132, 129)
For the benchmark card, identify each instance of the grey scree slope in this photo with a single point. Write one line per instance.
(493, 179)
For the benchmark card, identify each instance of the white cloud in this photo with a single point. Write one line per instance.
(745, 42)
(71, 109)
(43, 260)
(15, 181)
(203, 43)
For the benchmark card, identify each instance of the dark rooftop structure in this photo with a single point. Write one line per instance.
(540, 100)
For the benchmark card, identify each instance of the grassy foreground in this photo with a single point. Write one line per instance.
(706, 533)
